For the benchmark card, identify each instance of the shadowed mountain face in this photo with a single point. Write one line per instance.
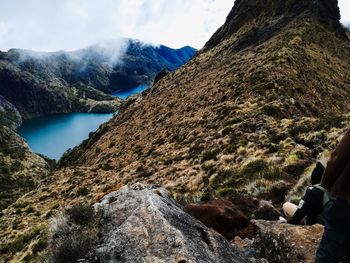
(247, 116)
(141, 63)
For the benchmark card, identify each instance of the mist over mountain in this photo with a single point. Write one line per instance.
(109, 67)
(58, 80)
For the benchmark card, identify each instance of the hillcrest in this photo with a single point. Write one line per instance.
(266, 17)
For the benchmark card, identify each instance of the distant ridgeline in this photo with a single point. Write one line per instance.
(39, 83)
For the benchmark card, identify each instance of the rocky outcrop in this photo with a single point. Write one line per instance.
(287, 243)
(144, 224)
(272, 16)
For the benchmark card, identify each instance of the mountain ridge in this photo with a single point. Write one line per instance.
(265, 17)
(247, 117)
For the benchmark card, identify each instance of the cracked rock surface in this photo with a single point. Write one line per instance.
(144, 224)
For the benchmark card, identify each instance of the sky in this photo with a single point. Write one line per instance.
(51, 25)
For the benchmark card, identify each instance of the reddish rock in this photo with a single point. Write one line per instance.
(267, 211)
(221, 215)
(296, 169)
(276, 195)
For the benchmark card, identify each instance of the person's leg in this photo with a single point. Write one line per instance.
(346, 258)
(333, 246)
(289, 209)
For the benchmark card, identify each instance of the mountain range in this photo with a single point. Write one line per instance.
(245, 119)
(40, 83)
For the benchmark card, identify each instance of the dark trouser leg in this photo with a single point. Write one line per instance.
(346, 259)
(333, 246)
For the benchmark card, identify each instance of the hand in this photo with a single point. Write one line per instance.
(282, 220)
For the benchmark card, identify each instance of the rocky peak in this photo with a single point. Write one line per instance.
(258, 15)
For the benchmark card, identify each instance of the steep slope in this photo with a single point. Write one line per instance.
(248, 115)
(244, 102)
(36, 83)
(20, 170)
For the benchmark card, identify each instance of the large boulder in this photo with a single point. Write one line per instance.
(287, 243)
(144, 224)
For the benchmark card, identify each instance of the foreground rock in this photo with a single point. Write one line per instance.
(287, 243)
(144, 224)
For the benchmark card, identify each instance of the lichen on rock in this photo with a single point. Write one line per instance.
(287, 243)
(144, 224)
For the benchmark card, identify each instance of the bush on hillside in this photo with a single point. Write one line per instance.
(73, 235)
(81, 214)
(210, 155)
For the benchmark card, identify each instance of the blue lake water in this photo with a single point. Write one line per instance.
(124, 94)
(53, 135)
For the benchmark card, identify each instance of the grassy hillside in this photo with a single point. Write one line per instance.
(248, 116)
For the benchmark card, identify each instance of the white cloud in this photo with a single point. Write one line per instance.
(344, 6)
(48, 25)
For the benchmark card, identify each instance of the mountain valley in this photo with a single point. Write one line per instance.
(244, 120)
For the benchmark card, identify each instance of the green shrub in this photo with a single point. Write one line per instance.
(276, 137)
(81, 214)
(272, 148)
(254, 167)
(74, 236)
(144, 171)
(5, 170)
(227, 131)
(210, 155)
(222, 176)
(328, 122)
(30, 210)
(260, 169)
(40, 245)
(273, 111)
(209, 168)
(230, 191)
(83, 191)
(297, 129)
(73, 247)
